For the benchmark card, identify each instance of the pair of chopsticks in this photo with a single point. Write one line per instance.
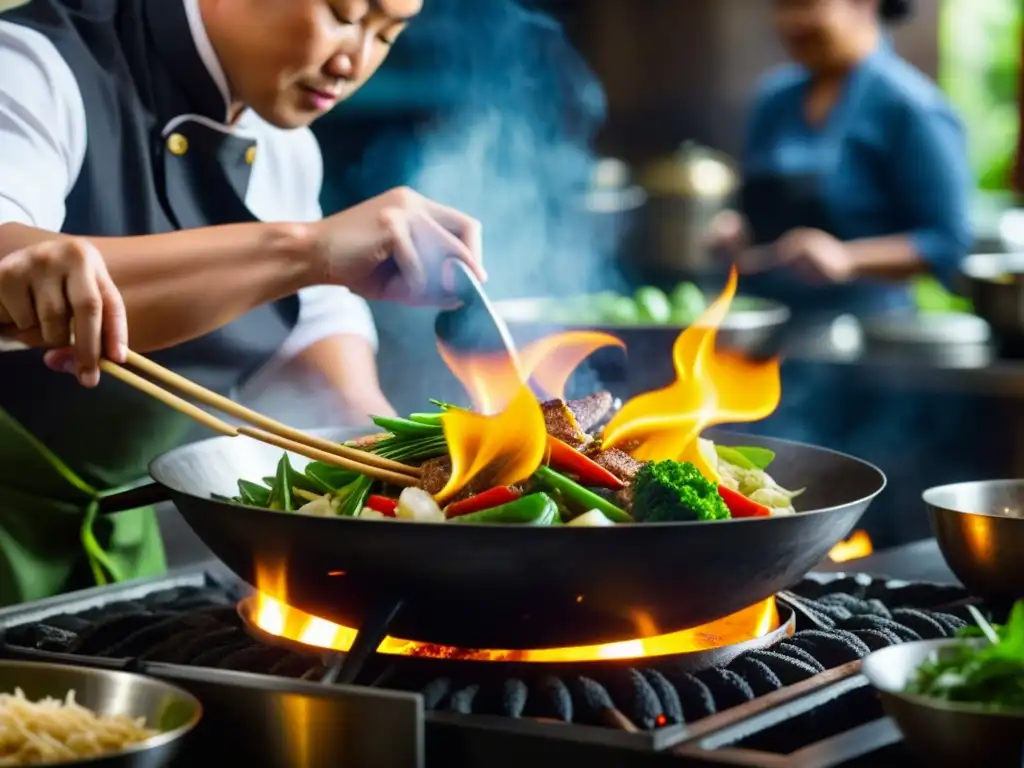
(262, 428)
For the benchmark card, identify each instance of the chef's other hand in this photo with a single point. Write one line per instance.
(815, 255)
(393, 246)
(49, 290)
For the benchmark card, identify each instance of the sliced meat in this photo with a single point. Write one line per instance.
(436, 474)
(592, 410)
(618, 462)
(560, 422)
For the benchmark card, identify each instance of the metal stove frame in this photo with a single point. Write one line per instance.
(276, 721)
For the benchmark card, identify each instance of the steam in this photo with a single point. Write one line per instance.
(515, 153)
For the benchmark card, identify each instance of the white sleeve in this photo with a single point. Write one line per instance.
(42, 129)
(326, 310)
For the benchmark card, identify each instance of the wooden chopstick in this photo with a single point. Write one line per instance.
(264, 424)
(385, 475)
(165, 397)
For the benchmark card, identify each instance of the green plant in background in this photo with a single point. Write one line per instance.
(980, 58)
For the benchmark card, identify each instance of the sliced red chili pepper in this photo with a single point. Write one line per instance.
(565, 458)
(740, 506)
(492, 497)
(383, 504)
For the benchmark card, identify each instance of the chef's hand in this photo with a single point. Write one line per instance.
(392, 246)
(815, 255)
(53, 288)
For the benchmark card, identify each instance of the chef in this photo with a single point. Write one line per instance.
(143, 144)
(855, 179)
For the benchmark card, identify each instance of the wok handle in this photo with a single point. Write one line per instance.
(134, 498)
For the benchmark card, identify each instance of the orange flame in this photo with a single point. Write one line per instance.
(857, 546)
(504, 439)
(275, 617)
(711, 387)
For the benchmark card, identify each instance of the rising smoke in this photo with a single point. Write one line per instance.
(514, 151)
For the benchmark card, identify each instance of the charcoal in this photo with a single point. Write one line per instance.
(461, 701)
(795, 651)
(71, 623)
(292, 665)
(833, 612)
(833, 648)
(97, 639)
(552, 699)
(876, 639)
(255, 658)
(875, 607)
(590, 698)
(183, 647)
(158, 632)
(788, 669)
(514, 694)
(671, 707)
(952, 624)
(727, 688)
(694, 697)
(634, 696)
(215, 656)
(42, 637)
(905, 634)
(758, 675)
(922, 623)
(435, 693)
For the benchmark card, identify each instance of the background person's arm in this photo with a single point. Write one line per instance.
(932, 187)
(175, 286)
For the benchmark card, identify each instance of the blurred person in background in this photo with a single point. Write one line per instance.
(855, 168)
(855, 179)
(162, 147)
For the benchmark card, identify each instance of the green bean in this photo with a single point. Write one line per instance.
(580, 497)
(430, 419)
(535, 509)
(406, 427)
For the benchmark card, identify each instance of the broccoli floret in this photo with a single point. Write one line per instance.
(675, 492)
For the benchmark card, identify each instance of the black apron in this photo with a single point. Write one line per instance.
(158, 159)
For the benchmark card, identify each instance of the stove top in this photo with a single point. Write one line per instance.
(799, 702)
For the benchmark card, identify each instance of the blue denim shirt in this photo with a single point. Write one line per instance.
(891, 158)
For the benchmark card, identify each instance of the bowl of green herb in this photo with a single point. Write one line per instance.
(958, 701)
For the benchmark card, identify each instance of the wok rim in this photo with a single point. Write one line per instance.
(154, 471)
(160, 739)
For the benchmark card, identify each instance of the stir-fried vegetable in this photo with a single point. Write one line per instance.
(493, 497)
(576, 496)
(567, 459)
(673, 492)
(581, 486)
(990, 674)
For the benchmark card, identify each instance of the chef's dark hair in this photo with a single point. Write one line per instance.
(895, 11)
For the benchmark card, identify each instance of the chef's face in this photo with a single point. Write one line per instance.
(814, 31)
(293, 60)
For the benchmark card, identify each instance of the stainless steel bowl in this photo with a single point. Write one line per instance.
(743, 330)
(994, 282)
(167, 709)
(980, 530)
(944, 733)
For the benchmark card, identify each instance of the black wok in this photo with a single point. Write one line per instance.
(516, 586)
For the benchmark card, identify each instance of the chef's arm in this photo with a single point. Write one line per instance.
(348, 364)
(932, 186)
(181, 285)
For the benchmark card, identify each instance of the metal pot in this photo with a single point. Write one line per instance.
(613, 201)
(994, 282)
(685, 191)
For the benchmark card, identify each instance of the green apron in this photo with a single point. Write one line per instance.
(50, 538)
